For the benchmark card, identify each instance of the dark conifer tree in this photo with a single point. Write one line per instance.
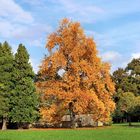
(6, 85)
(24, 99)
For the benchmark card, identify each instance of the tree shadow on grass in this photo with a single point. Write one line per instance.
(135, 125)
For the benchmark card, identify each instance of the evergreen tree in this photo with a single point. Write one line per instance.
(24, 99)
(6, 68)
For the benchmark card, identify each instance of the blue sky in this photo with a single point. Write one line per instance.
(114, 25)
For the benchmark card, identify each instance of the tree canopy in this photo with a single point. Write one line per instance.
(24, 101)
(128, 84)
(6, 85)
(73, 79)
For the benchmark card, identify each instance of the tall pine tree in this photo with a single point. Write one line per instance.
(24, 99)
(6, 68)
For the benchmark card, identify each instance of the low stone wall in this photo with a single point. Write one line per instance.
(84, 120)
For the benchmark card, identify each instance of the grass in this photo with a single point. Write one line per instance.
(115, 132)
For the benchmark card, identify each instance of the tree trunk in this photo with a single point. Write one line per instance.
(73, 119)
(129, 120)
(4, 126)
(20, 125)
(72, 115)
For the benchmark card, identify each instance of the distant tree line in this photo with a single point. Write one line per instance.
(18, 98)
(127, 95)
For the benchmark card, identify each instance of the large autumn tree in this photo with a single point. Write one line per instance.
(73, 79)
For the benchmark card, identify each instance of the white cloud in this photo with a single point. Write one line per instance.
(14, 48)
(98, 10)
(36, 43)
(33, 35)
(32, 32)
(111, 56)
(12, 18)
(102, 39)
(18, 24)
(114, 58)
(83, 12)
(79, 8)
(135, 55)
(35, 64)
(33, 2)
(124, 38)
(10, 10)
(121, 7)
(6, 28)
(128, 60)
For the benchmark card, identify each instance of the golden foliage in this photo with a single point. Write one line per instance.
(86, 80)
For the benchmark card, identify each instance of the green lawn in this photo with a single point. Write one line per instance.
(115, 132)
